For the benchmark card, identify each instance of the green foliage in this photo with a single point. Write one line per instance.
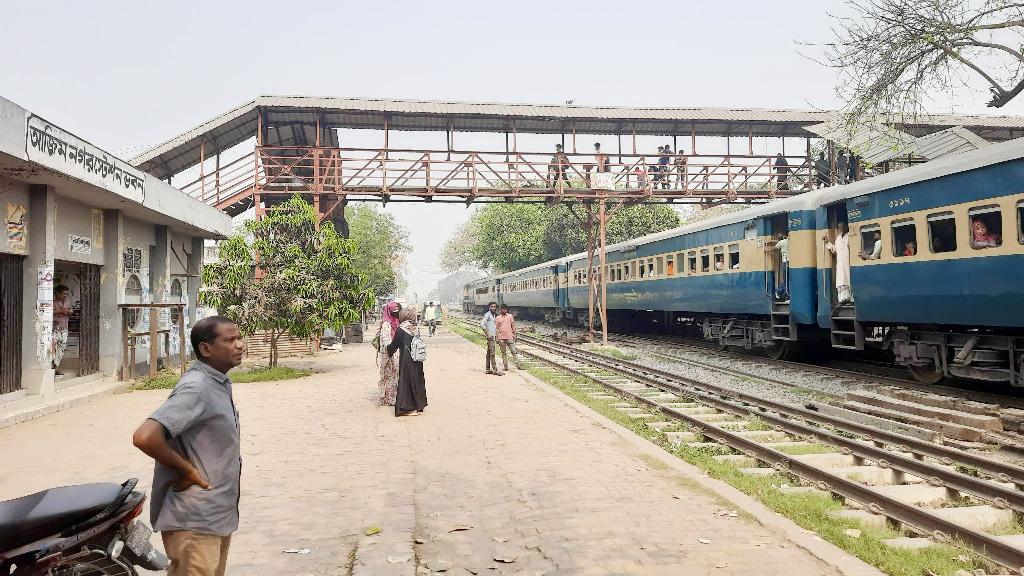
(382, 246)
(503, 237)
(167, 378)
(287, 274)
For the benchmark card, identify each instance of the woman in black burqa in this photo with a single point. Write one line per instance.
(412, 388)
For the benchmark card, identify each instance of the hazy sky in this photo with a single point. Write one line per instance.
(127, 75)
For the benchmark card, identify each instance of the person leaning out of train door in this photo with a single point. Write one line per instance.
(841, 248)
(781, 243)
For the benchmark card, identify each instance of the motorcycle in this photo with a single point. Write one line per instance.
(84, 530)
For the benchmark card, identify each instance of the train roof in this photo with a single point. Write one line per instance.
(995, 154)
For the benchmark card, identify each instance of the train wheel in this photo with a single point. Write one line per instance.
(926, 374)
(779, 350)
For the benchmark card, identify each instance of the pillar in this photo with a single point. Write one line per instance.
(195, 276)
(160, 280)
(111, 293)
(37, 318)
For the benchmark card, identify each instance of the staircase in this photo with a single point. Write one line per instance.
(783, 326)
(847, 332)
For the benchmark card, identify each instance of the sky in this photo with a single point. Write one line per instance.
(128, 75)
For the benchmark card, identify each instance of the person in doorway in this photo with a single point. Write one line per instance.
(412, 386)
(781, 245)
(61, 320)
(490, 329)
(842, 167)
(782, 171)
(680, 164)
(821, 171)
(428, 316)
(876, 247)
(841, 248)
(505, 325)
(387, 382)
(194, 437)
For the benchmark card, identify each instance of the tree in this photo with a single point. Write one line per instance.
(506, 237)
(382, 247)
(287, 274)
(893, 55)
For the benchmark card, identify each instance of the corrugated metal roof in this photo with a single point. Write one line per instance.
(955, 140)
(873, 143)
(239, 124)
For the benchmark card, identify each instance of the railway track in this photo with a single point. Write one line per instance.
(931, 491)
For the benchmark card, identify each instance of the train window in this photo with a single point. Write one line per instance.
(904, 238)
(670, 266)
(626, 269)
(691, 262)
(650, 266)
(986, 229)
(660, 265)
(705, 260)
(870, 242)
(942, 232)
(734, 256)
(643, 269)
(719, 258)
(1020, 222)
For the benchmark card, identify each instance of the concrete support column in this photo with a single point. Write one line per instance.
(195, 278)
(37, 324)
(111, 293)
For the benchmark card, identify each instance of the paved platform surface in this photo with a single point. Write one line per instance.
(497, 467)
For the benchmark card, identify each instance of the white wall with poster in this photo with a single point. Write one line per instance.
(79, 232)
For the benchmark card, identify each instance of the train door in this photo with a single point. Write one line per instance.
(776, 284)
(836, 218)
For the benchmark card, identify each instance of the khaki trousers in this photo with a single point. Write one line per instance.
(195, 554)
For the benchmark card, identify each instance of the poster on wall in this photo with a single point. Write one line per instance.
(17, 241)
(44, 313)
(79, 244)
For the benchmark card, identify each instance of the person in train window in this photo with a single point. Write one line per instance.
(719, 262)
(841, 248)
(910, 248)
(781, 244)
(876, 247)
(981, 237)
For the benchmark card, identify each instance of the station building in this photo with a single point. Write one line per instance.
(79, 217)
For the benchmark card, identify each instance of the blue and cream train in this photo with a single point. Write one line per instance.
(941, 298)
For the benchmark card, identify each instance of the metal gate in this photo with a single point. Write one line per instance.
(11, 290)
(89, 327)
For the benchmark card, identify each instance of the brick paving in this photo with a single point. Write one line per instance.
(495, 467)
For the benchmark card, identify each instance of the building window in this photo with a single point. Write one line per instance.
(175, 297)
(133, 293)
(719, 258)
(904, 238)
(870, 242)
(691, 262)
(942, 232)
(986, 229)
(132, 260)
(734, 256)
(705, 260)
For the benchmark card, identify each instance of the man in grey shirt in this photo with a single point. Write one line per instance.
(490, 329)
(194, 438)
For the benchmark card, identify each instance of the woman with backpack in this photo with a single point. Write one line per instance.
(386, 361)
(412, 389)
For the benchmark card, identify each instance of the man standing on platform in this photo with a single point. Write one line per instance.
(429, 318)
(194, 438)
(491, 332)
(506, 329)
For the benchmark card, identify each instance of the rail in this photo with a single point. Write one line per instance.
(429, 174)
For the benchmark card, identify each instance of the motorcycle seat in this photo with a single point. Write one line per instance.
(37, 516)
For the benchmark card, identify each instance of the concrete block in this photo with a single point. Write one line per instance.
(758, 471)
(981, 517)
(949, 429)
(828, 460)
(738, 460)
(764, 435)
(914, 493)
(660, 425)
(908, 543)
(717, 417)
(877, 422)
(863, 516)
(874, 476)
(680, 437)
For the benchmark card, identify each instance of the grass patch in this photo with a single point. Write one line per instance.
(167, 379)
(613, 352)
(802, 449)
(811, 511)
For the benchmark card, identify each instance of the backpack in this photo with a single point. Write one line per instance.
(417, 348)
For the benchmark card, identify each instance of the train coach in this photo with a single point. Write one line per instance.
(935, 266)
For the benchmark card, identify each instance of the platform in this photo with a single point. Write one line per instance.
(497, 467)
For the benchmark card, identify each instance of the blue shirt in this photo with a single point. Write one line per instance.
(488, 324)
